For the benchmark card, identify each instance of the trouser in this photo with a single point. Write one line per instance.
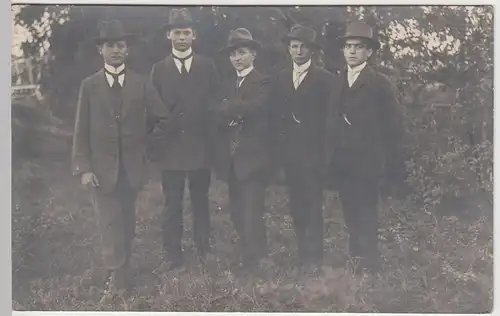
(359, 198)
(246, 201)
(173, 183)
(117, 220)
(306, 208)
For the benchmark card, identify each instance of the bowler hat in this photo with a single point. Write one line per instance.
(240, 37)
(304, 34)
(180, 19)
(363, 31)
(112, 31)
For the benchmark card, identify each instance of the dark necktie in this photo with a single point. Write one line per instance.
(183, 63)
(116, 83)
(235, 135)
(238, 81)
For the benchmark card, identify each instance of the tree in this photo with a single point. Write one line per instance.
(434, 54)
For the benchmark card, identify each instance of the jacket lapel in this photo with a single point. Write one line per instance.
(129, 91)
(307, 82)
(169, 62)
(251, 77)
(194, 64)
(342, 80)
(287, 82)
(103, 88)
(361, 80)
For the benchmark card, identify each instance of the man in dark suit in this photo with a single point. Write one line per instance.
(116, 110)
(300, 106)
(367, 135)
(186, 82)
(242, 147)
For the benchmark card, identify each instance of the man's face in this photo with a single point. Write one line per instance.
(242, 58)
(181, 39)
(356, 52)
(114, 53)
(299, 51)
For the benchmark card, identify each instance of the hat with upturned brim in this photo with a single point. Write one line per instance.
(304, 34)
(240, 37)
(179, 19)
(112, 31)
(361, 30)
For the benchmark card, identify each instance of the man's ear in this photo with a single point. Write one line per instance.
(167, 35)
(370, 52)
(99, 48)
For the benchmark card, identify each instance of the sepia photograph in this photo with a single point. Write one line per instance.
(253, 158)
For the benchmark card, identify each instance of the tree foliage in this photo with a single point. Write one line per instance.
(440, 58)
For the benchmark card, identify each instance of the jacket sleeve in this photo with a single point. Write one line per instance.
(331, 116)
(215, 83)
(393, 131)
(156, 111)
(276, 114)
(154, 79)
(168, 120)
(236, 106)
(80, 154)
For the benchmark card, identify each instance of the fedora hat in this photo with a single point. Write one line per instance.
(179, 18)
(240, 37)
(304, 34)
(361, 30)
(112, 31)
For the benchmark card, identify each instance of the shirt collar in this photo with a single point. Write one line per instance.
(301, 68)
(114, 70)
(356, 69)
(180, 54)
(244, 72)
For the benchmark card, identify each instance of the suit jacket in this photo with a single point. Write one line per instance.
(186, 146)
(368, 129)
(95, 139)
(299, 119)
(247, 105)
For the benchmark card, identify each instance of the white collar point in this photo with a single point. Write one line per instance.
(356, 69)
(305, 66)
(114, 70)
(183, 54)
(244, 72)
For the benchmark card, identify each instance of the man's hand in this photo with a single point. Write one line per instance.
(89, 178)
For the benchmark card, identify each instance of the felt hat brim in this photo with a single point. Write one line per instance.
(373, 43)
(186, 25)
(286, 40)
(125, 37)
(241, 43)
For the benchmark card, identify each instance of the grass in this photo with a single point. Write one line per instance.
(430, 264)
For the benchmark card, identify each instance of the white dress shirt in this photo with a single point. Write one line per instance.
(353, 73)
(299, 73)
(114, 70)
(179, 54)
(242, 74)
